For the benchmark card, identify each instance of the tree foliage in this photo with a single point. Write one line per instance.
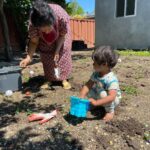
(20, 10)
(73, 8)
(5, 33)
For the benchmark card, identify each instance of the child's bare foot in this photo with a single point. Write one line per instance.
(108, 116)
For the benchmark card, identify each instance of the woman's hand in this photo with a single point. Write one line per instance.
(56, 57)
(25, 62)
(93, 101)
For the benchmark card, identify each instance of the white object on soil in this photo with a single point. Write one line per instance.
(57, 72)
(31, 72)
(119, 60)
(9, 93)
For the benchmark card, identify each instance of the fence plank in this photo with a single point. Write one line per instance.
(83, 30)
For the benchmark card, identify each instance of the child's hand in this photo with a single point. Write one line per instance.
(81, 96)
(93, 101)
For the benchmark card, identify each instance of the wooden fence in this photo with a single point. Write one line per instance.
(13, 33)
(83, 30)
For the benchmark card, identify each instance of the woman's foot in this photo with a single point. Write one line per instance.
(46, 85)
(66, 85)
(108, 116)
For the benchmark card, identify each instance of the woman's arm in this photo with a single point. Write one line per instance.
(62, 29)
(59, 44)
(86, 88)
(33, 43)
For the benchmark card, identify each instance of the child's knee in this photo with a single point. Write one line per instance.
(110, 107)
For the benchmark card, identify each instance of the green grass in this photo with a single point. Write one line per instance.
(133, 53)
(26, 79)
(147, 136)
(130, 90)
(27, 111)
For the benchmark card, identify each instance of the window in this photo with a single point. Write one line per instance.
(125, 8)
(120, 8)
(130, 9)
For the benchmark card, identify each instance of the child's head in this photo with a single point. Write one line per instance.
(104, 57)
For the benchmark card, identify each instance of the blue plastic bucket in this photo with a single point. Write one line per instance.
(79, 107)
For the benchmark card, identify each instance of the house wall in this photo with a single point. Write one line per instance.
(125, 32)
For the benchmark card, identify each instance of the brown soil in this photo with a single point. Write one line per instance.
(65, 132)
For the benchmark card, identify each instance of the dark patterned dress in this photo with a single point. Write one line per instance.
(47, 45)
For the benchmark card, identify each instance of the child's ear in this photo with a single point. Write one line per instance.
(105, 64)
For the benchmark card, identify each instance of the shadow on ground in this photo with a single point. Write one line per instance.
(96, 114)
(57, 138)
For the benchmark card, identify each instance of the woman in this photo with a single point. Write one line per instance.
(49, 32)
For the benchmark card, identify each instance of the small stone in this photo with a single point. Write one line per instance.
(142, 146)
(96, 128)
(30, 140)
(119, 60)
(92, 140)
(105, 134)
(115, 140)
(111, 142)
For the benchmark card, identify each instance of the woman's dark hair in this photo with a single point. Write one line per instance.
(42, 14)
(105, 55)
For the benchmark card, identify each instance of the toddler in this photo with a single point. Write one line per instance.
(103, 87)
